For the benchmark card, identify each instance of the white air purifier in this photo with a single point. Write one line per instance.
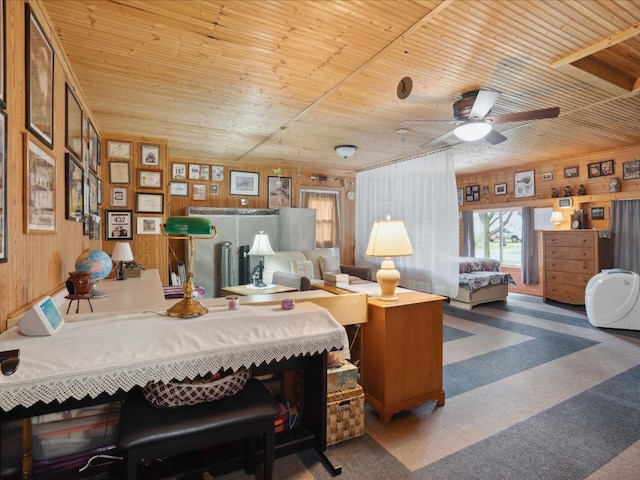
(611, 299)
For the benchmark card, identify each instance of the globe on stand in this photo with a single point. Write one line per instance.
(98, 263)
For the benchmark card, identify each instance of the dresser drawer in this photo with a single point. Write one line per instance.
(569, 253)
(565, 293)
(577, 239)
(567, 278)
(569, 266)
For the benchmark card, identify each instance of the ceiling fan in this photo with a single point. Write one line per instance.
(473, 123)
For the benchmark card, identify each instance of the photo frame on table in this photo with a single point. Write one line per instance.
(151, 155)
(178, 171)
(119, 172)
(500, 189)
(118, 225)
(571, 172)
(597, 213)
(631, 170)
(524, 184)
(149, 225)
(149, 202)
(149, 178)
(118, 197)
(179, 189)
(3, 187)
(119, 150)
(244, 183)
(3, 56)
(74, 183)
(73, 124)
(279, 192)
(40, 205)
(39, 72)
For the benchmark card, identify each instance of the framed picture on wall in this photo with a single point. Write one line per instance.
(199, 192)
(39, 65)
(40, 174)
(3, 187)
(460, 197)
(118, 149)
(118, 225)
(244, 183)
(179, 189)
(597, 213)
(571, 172)
(149, 178)
(524, 184)
(151, 155)
(279, 192)
(73, 124)
(149, 202)
(149, 225)
(631, 170)
(500, 189)
(119, 172)
(118, 197)
(3, 66)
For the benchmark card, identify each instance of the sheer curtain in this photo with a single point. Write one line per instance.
(626, 232)
(422, 193)
(327, 215)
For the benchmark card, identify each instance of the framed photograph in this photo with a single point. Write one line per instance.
(3, 187)
(179, 189)
(3, 64)
(571, 172)
(99, 191)
(546, 176)
(93, 193)
(151, 155)
(525, 184)
(594, 169)
(150, 178)
(217, 173)
(460, 197)
(606, 168)
(119, 172)
(39, 63)
(500, 189)
(40, 175)
(118, 197)
(178, 171)
(194, 171)
(244, 183)
(631, 170)
(565, 202)
(118, 225)
(279, 192)
(597, 213)
(94, 227)
(73, 124)
(119, 149)
(149, 225)
(199, 192)
(472, 193)
(213, 189)
(94, 149)
(149, 202)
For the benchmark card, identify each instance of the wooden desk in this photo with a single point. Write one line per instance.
(401, 365)
(246, 290)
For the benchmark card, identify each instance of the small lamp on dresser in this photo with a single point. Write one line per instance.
(556, 219)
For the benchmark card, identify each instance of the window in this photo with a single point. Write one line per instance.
(327, 215)
(498, 235)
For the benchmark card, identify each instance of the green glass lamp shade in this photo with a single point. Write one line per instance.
(188, 226)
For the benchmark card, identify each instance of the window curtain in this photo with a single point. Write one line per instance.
(529, 260)
(422, 193)
(468, 235)
(626, 234)
(327, 215)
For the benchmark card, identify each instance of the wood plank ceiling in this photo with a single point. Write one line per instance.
(285, 81)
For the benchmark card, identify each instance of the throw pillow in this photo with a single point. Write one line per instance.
(302, 267)
(329, 265)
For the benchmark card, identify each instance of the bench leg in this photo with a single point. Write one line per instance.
(269, 448)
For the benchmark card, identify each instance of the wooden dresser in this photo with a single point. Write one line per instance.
(571, 258)
(401, 364)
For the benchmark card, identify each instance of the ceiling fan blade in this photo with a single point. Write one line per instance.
(437, 140)
(485, 100)
(552, 112)
(426, 122)
(495, 137)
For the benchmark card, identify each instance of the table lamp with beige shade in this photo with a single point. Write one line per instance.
(388, 239)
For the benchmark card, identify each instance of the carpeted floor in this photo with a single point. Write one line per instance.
(533, 392)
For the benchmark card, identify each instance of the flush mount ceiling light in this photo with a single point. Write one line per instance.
(345, 151)
(472, 131)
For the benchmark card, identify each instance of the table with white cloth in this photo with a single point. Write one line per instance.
(95, 359)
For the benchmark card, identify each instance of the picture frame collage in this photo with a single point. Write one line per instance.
(182, 173)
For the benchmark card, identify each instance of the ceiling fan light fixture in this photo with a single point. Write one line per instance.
(472, 131)
(345, 151)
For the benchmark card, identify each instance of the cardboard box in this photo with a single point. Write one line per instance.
(345, 415)
(336, 278)
(342, 377)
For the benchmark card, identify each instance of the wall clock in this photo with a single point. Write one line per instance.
(351, 195)
(404, 88)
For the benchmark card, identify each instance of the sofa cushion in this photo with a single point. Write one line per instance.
(302, 267)
(315, 254)
(329, 264)
(280, 261)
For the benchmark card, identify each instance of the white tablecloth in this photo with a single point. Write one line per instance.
(107, 353)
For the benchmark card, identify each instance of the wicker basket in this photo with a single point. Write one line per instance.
(345, 414)
(177, 394)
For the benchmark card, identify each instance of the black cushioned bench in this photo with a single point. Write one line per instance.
(147, 432)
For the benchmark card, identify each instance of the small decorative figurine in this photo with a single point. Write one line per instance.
(567, 191)
(581, 190)
(554, 192)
